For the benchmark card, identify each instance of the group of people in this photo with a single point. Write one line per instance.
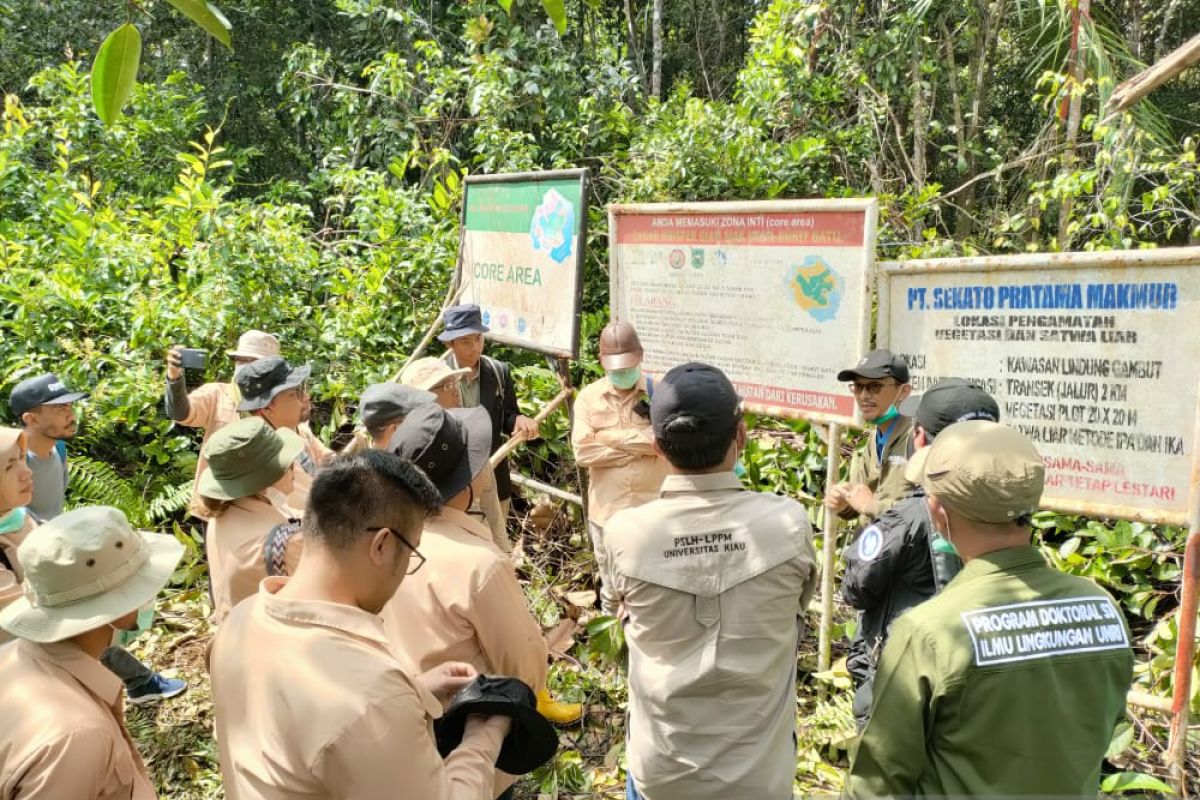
(354, 594)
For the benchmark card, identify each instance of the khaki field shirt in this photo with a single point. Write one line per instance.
(617, 447)
(464, 604)
(311, 703)
(211, 406)
(885, 478)
(234, 543)
(64, 735)
(1009, 682)
(716, 580)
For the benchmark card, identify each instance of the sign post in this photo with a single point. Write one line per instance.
(1095, 357)
(777, 294)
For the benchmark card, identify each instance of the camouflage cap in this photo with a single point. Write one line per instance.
(984, 471)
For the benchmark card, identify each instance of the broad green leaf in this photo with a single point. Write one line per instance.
(506, 5)
(1133, 782)
(114, 72)
(208, 17)
(557, 11)
(1122, 739)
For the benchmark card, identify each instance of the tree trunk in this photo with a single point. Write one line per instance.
(656, 48)
(1075, 73)
(635, 46)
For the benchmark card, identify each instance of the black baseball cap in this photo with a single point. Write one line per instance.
(532, 740)
(451, 447)
(949, 401)
(44, 390)
(384, 402)
(462, 321)
(877, 364)
(696, 391)
(260, 381)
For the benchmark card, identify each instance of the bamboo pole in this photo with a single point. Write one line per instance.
(829, 554)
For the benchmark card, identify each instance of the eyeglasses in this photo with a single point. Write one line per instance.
(870, 389)
(417, 553)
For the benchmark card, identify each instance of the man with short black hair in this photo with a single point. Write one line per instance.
(898, 561)
(44, 407)
(289, 721)
(1010, 681)
(879, 383)
(715, 581)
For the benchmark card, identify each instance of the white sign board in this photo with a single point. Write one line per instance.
(1094, 356)
(521, 259)
(777, 294)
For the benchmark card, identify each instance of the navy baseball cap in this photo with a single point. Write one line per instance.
(451, 447)
(462, 321)
(44, 390)
(877, 364)
(949, 401)
(698, 392)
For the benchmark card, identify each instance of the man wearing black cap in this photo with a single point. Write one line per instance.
(715, 581)
(385, 405)
(43, 407)
(465, 603)
(489, 384)
(880, 383)
(899, 561)
(274, 390)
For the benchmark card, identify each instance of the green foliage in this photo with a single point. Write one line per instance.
(115, 72)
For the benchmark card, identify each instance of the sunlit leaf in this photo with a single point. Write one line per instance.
(114, 73)
(208, 17)
(557, 11)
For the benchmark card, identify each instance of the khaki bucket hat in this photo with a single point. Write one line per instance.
(255, 344)
(426, 373)
(85, 569)
(983, 471)
(246, 457)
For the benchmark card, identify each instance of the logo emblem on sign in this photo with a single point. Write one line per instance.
(697, 258)
(552, 229)
(817, 288)
(676, 259)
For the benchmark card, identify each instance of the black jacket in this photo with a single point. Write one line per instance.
(889, 569)
(499, 397)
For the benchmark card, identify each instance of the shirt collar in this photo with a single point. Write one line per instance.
(461, 519)
(1010, 559)
(68, 656)
(338, 616)
(708, 482)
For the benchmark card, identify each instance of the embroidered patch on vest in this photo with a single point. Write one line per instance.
(1044, 629)
(870, 542)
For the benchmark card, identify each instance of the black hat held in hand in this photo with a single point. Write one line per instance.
(532, 740)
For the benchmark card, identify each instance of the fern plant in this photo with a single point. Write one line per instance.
(97, 483)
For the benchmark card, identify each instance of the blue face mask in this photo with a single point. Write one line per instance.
(13, 521)
(887, 416)
(625, 378)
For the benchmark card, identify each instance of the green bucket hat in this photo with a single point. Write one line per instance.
(246, 457)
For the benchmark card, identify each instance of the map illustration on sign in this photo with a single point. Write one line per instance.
(552, 229)
(817, 288)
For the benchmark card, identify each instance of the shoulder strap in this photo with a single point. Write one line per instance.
(650, 387)
(61, 447)
(275, 548)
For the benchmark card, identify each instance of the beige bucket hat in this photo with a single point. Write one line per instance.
(255, 344)
(426, 373)
(85, 569)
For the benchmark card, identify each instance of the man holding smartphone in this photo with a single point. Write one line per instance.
(211, 406)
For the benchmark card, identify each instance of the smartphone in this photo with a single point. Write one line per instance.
(190, 358)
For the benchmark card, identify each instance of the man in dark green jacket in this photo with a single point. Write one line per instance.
(1011, 680)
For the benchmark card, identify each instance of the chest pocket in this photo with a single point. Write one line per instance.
(605, 419)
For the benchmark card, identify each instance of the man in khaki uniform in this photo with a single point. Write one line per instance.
(611, 437)
(715, 581)
(432, 375)
(1010, 681)
(212, 406)
(87, 573)
(880, 383)
(310, 700)
(465, 604)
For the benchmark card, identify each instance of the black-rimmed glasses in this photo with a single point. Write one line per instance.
(417, 553)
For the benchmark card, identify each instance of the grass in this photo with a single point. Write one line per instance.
(175, 737)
